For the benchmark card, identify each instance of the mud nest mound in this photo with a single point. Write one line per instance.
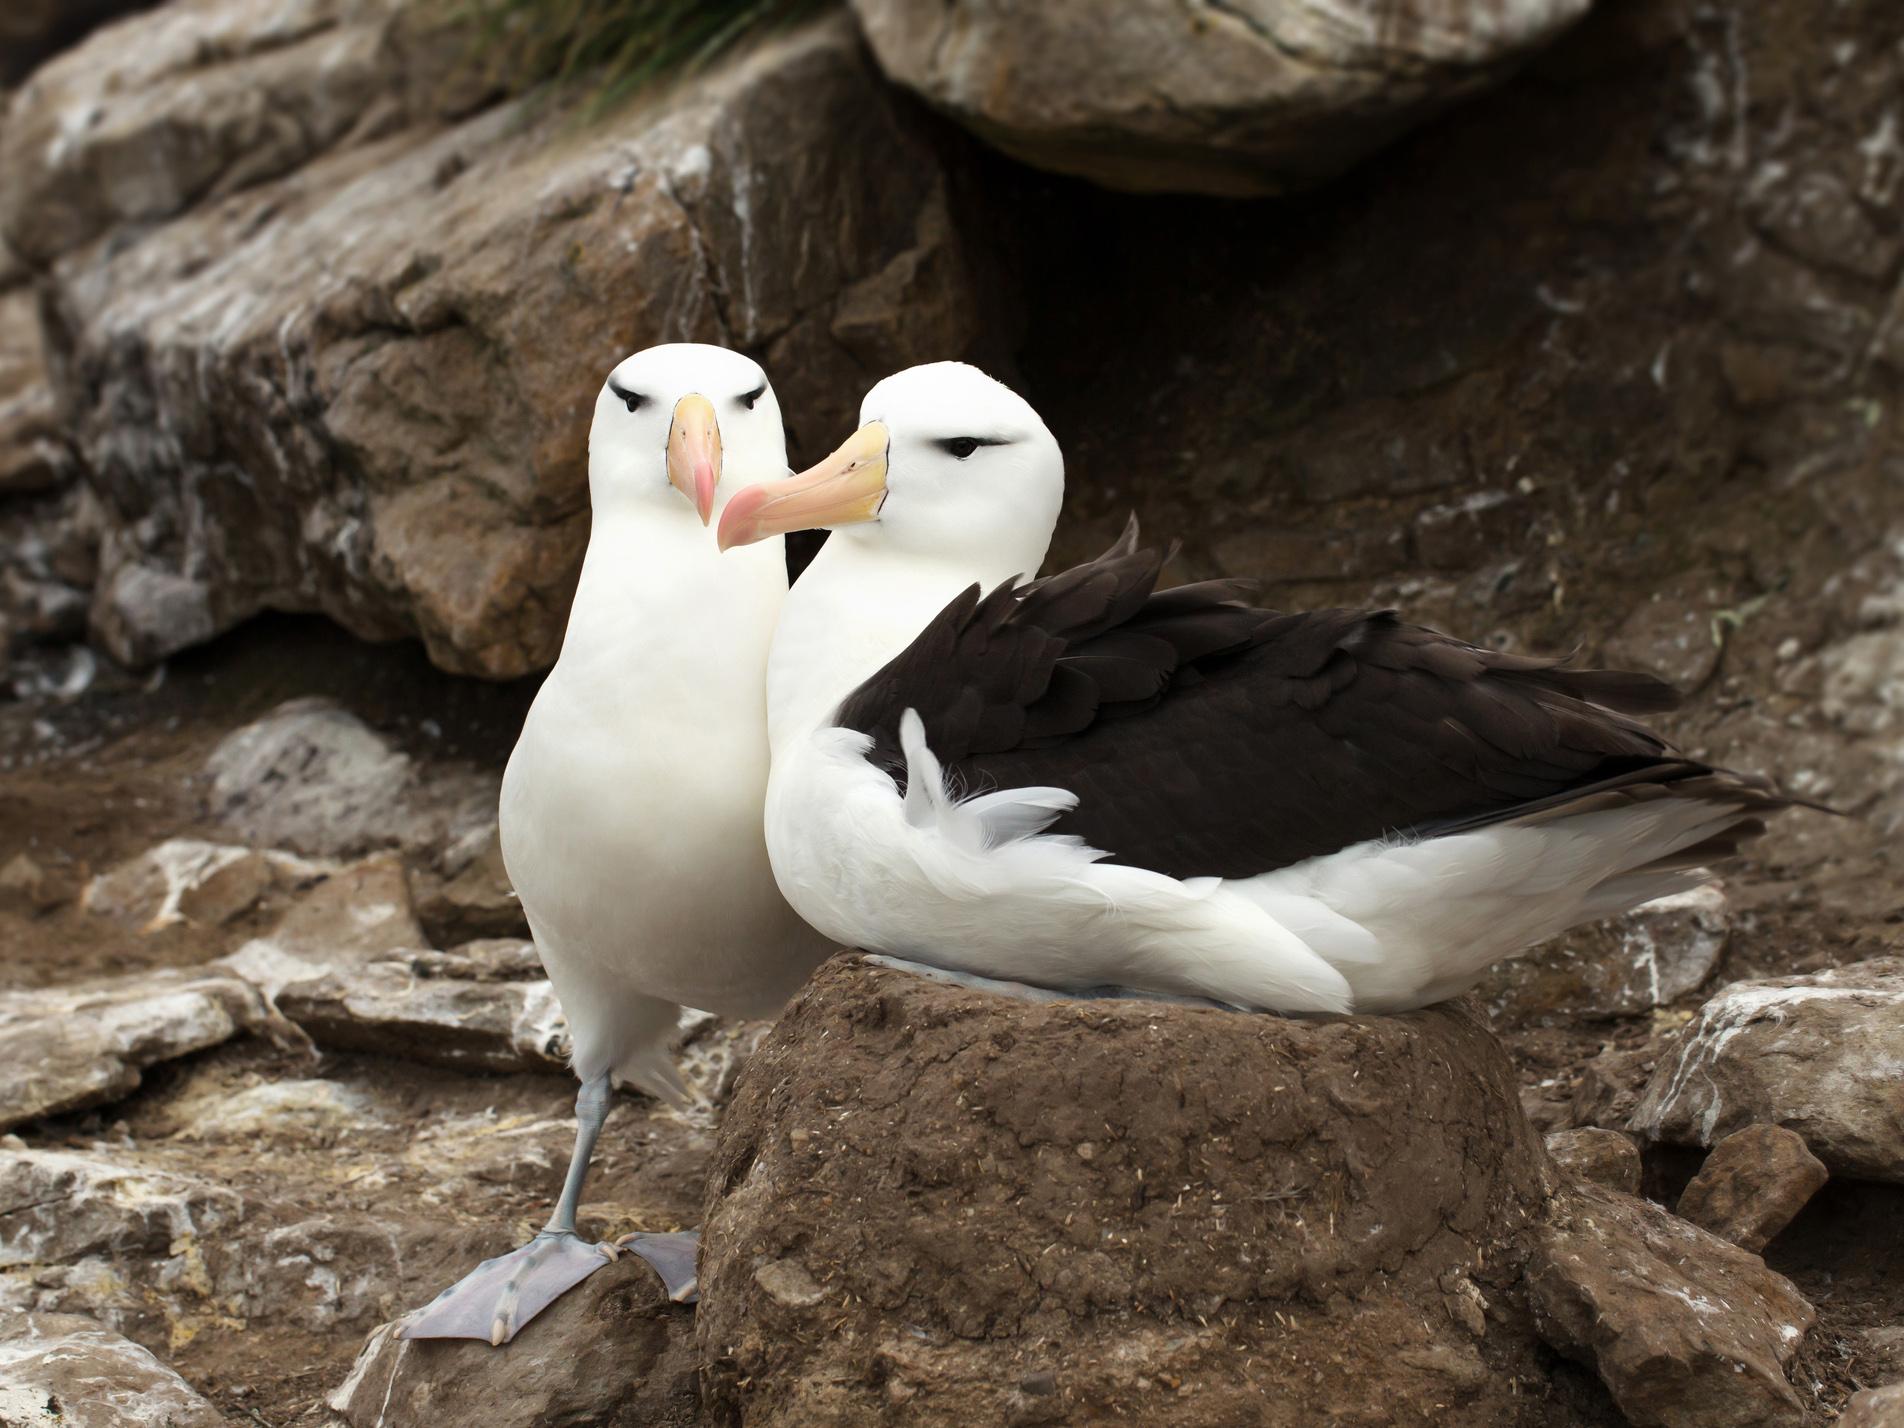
(932, 1204)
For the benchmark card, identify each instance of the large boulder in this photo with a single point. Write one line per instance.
(1252, 97)
(949, 1206)
(353, 368)
(1816, 1054)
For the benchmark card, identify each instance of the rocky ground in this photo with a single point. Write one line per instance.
(1605, 359)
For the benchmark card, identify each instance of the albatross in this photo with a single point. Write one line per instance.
(1084, 782)
(630, 809)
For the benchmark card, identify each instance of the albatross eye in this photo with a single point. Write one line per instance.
(960, 447)
(747, 399)
(633, 400)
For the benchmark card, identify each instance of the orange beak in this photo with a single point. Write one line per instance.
(694, 452)
(845, 488)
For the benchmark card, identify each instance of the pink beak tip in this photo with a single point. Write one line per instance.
(737, 518)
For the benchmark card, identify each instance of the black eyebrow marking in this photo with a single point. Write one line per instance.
(747, 399)
(947, 441)
(635, 400)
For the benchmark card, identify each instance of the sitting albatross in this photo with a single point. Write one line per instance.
(630, 811)
(1326, 811)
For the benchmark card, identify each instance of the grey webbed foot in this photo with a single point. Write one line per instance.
(672, 1256)
(1025, 992)
(500, 1295)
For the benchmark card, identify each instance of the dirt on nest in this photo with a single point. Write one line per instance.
(982, 1211)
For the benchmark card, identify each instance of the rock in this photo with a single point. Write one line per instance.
(364, 387)
(65, 1371)
(350, 917)
(76, 1046)
(1753, 1185)
(309, 1111)
(313, 777)
(196, 100)
(27, 883)
(1672, 634)
(61, 1206)
(477, 902)
(1647, 958)
(487, 1026)
(32, 455)
(1604, 1157)
(1817, 1054)
(1257, 97)
(1875, 1408)
(487, 959)
(1610, 1084)
(1685, 1330)
(924, 1196)
(611, 1353)
(1863, 682)
(190, 880)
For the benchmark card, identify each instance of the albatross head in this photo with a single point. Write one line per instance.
(947, 463)
(668, 421)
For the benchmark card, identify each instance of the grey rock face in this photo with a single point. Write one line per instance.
(1816, 1054)
(343, 357)
(1251, 97)
(65, 1371)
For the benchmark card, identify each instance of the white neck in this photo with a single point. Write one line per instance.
(646, 582)
(856, 607)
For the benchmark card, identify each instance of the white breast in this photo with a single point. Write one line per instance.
(631, 808)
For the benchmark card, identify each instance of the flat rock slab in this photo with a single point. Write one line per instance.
(1818, 1054)
(446, 1021)
(65, 1371)
(65, 1048)
(1685, 1330)
(932, 1204)
(1753, 1185)
(611, 1353)
(1623, 966)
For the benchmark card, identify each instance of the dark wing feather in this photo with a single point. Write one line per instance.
(1206, 737)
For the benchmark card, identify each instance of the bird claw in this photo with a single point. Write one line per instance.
(673, 1257)
(495, 1299)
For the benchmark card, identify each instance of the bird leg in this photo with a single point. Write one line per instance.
(1025, 992)
(500, 1295)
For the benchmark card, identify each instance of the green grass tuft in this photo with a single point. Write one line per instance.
(610, 50)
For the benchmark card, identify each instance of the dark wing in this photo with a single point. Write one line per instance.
(1206, 737)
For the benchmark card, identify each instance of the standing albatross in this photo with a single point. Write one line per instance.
(1325, 811)
(630, 811)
